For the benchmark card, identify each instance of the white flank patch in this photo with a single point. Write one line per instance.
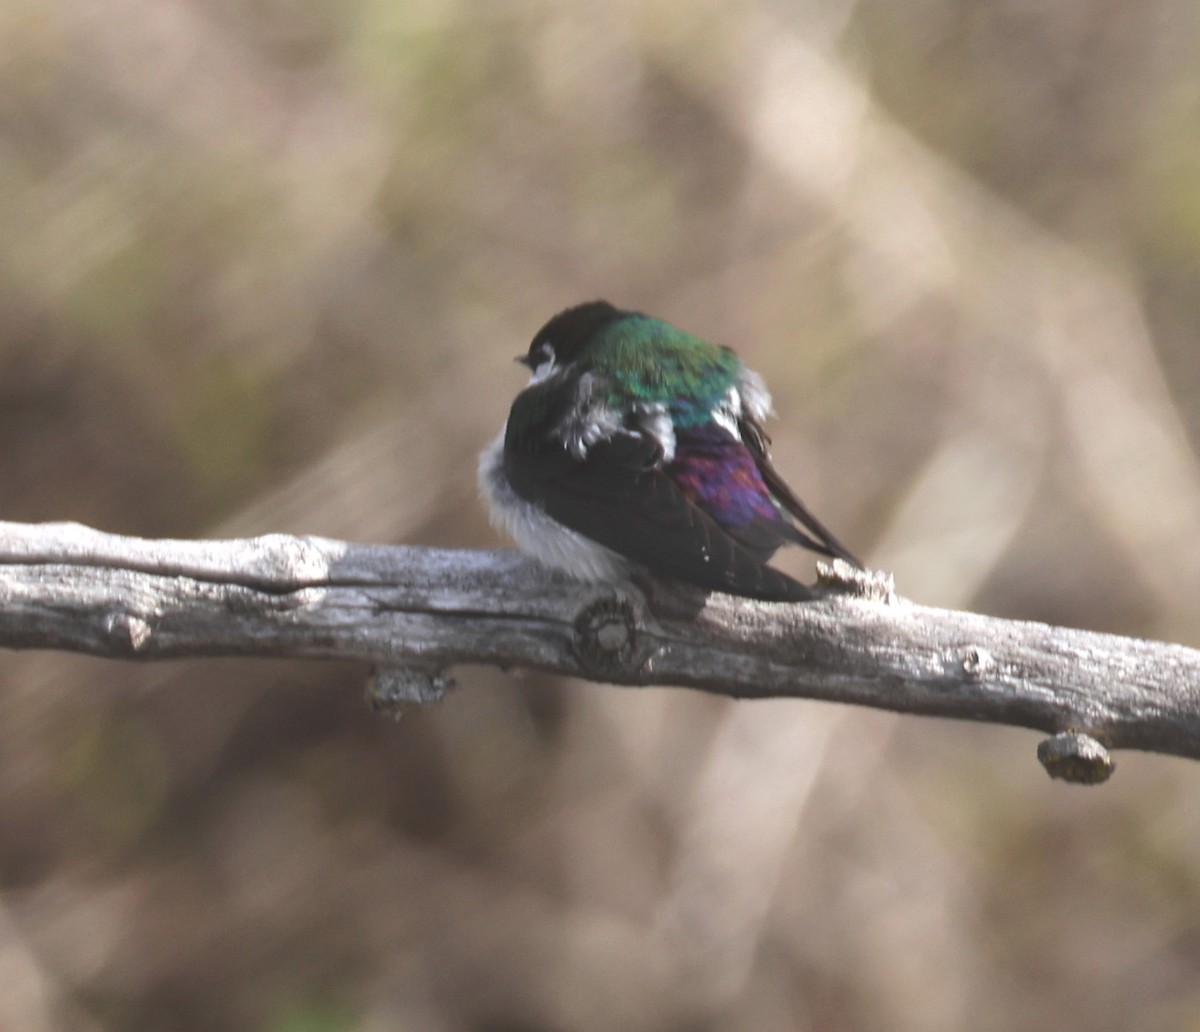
(590, 421)
(729, 411)
(656, 421)
(754, 394)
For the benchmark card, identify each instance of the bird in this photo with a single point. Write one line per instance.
(636, 444)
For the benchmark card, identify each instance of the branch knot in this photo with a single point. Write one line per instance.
(977, 663)
(606, 638)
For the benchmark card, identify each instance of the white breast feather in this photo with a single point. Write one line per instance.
(536, 533)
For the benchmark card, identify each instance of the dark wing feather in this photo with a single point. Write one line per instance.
(618, 498)
(822, 540)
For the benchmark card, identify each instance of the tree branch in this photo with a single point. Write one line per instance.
(413, 612)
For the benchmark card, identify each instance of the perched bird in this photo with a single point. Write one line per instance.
(638, 443)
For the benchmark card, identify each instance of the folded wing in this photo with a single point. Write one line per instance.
(621, 498)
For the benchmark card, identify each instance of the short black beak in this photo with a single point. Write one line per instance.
(524, 360)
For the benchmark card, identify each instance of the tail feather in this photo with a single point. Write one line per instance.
(821, 540)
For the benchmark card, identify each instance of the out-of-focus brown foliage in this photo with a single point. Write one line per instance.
(263, 266)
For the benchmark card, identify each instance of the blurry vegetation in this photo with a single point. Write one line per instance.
(263, 267)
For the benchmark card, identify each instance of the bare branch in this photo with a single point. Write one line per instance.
(413, 612)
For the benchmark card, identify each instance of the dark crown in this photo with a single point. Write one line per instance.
(571, 330)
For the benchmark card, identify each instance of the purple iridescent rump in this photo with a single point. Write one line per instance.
(717, 472)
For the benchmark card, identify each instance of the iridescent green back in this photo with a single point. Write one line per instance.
(649, 361)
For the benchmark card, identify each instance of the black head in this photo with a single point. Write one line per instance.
(564, 336)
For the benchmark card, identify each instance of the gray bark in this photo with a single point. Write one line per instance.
(414, 612)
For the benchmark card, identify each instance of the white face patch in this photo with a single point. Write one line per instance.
(546, 365)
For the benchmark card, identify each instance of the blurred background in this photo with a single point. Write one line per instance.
(264, 265)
